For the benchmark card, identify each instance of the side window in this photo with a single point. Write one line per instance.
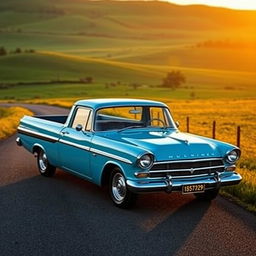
(83, 117)
(158, 116)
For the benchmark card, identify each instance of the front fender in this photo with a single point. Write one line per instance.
(101, 165)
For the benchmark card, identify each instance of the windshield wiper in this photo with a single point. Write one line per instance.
(129, 127)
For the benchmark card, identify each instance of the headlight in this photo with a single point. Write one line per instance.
(233, 155)
(145, 161)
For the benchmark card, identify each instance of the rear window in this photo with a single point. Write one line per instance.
(82, 117)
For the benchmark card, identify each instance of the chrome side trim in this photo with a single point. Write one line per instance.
(187, 160)
(55, 139)
(96, 151)
(37, 134)
(74, 144)
(184, 170)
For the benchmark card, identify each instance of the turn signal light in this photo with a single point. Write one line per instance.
(141, 174)
(230, 168)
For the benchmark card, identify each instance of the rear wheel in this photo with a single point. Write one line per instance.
(208, 195)
(119, 193)
(44, 167)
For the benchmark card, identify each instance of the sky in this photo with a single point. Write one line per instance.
(234, 4)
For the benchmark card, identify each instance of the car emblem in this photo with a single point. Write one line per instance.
(192, 170)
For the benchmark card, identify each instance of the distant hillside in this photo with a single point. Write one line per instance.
(127, 42)
(121, 19)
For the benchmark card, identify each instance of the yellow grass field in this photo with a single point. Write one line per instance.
(228, 114)
(9, 120)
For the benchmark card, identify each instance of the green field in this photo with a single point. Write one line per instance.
(125, 43)
(51, 67)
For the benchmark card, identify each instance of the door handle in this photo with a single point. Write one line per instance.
(65, 132)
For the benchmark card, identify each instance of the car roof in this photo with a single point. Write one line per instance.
(118, 102)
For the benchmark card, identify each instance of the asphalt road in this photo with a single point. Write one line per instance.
(65, 215)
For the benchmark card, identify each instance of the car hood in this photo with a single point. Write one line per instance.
(166, 145)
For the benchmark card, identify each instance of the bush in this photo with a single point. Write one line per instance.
(30, 51)
(18, 50)
(3, 51)
(173, 79)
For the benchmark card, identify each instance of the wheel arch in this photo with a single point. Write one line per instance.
(36, 147)
(106, 172)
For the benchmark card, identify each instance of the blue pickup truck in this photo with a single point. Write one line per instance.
(132, 146)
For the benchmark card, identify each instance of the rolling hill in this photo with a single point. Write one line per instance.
(127, 41)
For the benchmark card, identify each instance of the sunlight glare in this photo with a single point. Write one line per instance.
(234, 4)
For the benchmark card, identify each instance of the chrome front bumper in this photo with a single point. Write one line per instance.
(168, 184)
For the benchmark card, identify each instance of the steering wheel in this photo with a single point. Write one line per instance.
(156, 119)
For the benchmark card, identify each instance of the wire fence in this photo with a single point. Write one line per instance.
(214, 123)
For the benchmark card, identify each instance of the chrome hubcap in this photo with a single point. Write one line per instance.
(118, 187)
(43, 161)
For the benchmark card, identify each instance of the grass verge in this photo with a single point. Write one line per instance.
(243, 194)
(9, 120)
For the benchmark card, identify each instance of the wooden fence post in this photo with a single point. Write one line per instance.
(214, 129)
(238, 136)
(187, 123)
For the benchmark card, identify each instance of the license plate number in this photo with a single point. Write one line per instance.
(187, 189)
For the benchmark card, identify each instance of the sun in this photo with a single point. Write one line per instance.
(233, 4)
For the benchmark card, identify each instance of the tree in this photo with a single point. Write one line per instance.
(173, 79)
(2, 51)
(18, 50)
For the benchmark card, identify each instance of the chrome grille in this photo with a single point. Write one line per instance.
(187, 168)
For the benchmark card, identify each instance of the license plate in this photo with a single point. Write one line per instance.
(188, 189)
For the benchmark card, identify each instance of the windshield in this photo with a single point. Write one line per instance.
(122, 118)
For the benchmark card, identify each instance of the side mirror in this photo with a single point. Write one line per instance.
(79, 127)
(177, 124)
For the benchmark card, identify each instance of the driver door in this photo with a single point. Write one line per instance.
(75, 143)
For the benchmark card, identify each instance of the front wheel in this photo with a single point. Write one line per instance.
(44, 167)
(119, 193)
(208, 195)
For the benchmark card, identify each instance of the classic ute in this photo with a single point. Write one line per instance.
(132, 146)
